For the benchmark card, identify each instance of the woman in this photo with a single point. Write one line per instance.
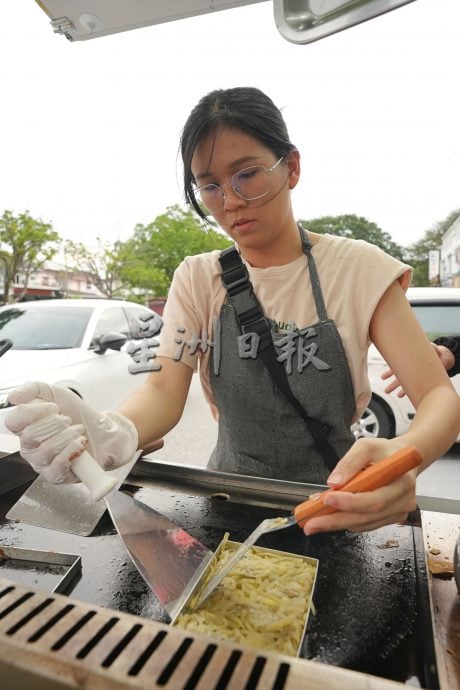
(324, 299)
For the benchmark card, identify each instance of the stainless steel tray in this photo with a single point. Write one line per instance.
(47, 570)
(234, 545)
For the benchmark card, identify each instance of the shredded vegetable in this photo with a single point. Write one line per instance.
(262, 603)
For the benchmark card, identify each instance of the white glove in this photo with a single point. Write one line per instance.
(55, 425)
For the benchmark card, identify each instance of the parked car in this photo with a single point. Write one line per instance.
(438, 311)
(80, 344)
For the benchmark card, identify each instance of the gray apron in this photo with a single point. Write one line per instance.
(260, 433)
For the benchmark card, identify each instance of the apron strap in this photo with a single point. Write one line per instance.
(316, 285)
(251, 319)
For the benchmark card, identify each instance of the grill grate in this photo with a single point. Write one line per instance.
(55, 642)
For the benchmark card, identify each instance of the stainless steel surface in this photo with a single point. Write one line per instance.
(236, 488)
(305, 21)
(169, 559)
(221, 486)
(49, 570)
(85, 19)
(436, 504)
(64, 507)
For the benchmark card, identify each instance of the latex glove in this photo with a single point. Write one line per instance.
(54, 432)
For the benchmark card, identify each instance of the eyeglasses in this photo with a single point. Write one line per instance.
(250, 183)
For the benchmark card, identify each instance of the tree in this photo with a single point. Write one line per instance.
(140, 274)
(143, 266)
(162, 245)
(356, 228)
(417, 253)
(103, 264)
(27, 243)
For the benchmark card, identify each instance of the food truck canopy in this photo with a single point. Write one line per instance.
(298, 21)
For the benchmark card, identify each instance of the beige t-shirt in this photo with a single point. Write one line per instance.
(353, 274)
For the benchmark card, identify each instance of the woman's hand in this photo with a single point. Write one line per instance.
(55, 426)
(365, 511)
(446, 357)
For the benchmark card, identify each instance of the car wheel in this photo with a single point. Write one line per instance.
(374, 422)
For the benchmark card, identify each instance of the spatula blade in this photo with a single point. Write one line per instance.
(169, 559)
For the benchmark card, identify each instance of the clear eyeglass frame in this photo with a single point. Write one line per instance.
(234, 185)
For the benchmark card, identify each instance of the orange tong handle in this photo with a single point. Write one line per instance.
(372, 477)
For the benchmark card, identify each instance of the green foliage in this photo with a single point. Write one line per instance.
(27, 244)
(140, 275)
(356, 228)
(143, 266)
(158, 248)
(104, 263)
(417, 253)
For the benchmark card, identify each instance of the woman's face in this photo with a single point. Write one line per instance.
(255, 223)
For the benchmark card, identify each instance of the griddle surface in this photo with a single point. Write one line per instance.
(365, 598)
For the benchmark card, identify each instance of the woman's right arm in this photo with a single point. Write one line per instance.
(157, 406)
(56, 426)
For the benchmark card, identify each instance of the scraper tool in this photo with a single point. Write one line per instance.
(169, 559)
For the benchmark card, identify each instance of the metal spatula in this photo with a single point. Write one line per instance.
(372, 477)
(169, 559)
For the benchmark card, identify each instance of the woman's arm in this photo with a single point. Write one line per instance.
(401, 341)
(446, 356)
(156, 407)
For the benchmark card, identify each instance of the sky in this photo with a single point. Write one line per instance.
(90, 129)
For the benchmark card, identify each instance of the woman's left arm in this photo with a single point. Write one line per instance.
(401, 341)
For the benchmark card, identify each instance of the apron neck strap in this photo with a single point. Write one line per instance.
(314, 277)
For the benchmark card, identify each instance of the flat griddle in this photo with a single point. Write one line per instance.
(371, 597)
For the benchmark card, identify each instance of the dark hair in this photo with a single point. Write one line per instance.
(245, 108)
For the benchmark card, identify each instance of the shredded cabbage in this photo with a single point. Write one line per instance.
(262, 603)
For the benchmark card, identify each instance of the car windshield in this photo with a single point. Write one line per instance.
(438, 319)
(44, 329)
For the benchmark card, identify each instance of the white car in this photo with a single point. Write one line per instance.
(438, 311)
(80, 344)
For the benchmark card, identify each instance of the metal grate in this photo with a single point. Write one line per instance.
(69, 640)
(51, 642)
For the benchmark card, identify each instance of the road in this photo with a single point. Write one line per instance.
(193, 439)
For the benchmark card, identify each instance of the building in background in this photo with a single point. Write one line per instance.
(450, 256)
(51, 281)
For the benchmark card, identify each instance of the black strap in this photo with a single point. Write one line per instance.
(251, 319)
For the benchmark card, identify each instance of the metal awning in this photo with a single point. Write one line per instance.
(298, 21)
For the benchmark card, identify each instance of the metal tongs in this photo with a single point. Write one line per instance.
(372, 477)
